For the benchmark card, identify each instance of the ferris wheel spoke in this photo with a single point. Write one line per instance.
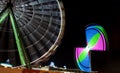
(21, 49)
(4, 15)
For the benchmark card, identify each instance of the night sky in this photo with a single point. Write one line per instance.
(78, 15)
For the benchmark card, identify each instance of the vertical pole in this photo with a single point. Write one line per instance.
(21, 49)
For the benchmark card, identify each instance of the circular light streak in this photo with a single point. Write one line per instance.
(96, 40)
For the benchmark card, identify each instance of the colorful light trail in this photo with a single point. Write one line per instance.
(96, 40)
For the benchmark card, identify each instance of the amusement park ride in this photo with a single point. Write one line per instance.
(30, 32)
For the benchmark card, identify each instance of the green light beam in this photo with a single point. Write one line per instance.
(22, 53)
(90, 45)
(4, 15)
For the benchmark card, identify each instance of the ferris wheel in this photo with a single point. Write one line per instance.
(30, 30)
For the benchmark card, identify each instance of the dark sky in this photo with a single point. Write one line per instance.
(81, 13)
